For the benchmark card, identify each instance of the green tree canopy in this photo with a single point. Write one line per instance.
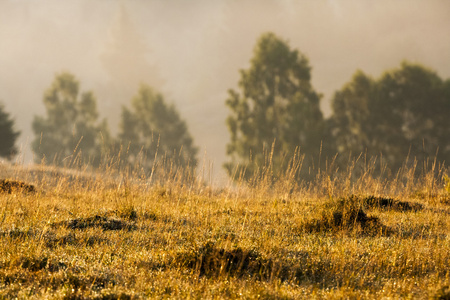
(275, 103)
(8, 135)
(70, 132)
(405, 112)
(151, 129)
(349, 124)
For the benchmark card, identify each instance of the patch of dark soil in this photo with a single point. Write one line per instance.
(15, 277)
(98, 221)
(345, 214)
(36, 264)
(94, 240)
(211, 261)
(444, 199)
(13, 186)
(127, 213)
(110, 296)
(152, 265)
(149, 216)
(17, 233)
(443, 293)
(389, 203)
(114, 296)
(223, 235)
(51, 239)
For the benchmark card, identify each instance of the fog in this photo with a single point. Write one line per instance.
(192, 51)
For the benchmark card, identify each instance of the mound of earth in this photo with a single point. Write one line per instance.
(389, 203)
(96, 221)
(11, 186)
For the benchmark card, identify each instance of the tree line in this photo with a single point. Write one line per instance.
(71, 133)
(274, 119)
(402, 114)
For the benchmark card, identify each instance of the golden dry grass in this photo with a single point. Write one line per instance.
(108, 236)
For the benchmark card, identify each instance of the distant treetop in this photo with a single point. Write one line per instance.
(8, 135)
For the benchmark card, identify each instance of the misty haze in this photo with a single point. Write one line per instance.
(192, 52)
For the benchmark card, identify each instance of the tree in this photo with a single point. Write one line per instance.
(276, 106)
(70, 132)
(151, 129)
(349, 125)
(8, 135)
(405, 112)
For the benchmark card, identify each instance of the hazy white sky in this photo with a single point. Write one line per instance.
(197, 48)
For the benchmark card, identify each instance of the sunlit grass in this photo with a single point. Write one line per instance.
(111, 235)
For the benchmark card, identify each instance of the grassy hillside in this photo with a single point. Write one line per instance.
(98, 236)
